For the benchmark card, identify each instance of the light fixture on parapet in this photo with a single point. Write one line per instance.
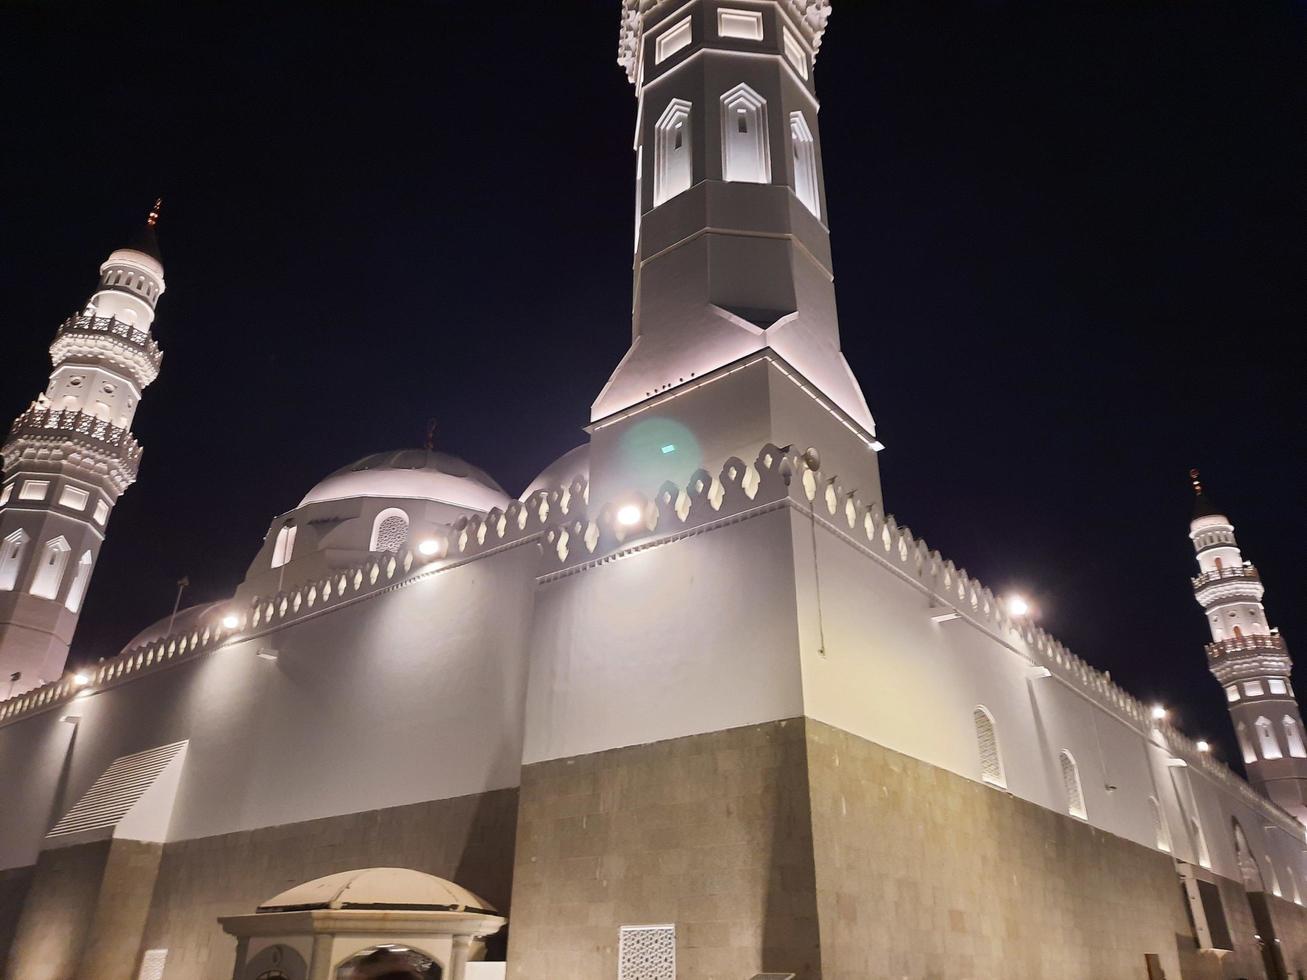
(1017, 605)
(230, 621)
(428, 547)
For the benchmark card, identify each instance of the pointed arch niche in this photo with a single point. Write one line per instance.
(389, 530)
(746, 154)
(673, 167)
(77, 591)
(11, 558)
(805, 163)
(50, 570)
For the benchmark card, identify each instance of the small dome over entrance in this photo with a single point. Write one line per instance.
(414, 474)
(380, 889)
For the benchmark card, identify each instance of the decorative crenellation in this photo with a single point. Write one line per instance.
(572, 541)
(811, 15)
(128, 346)
(464, 540)
(53, 433)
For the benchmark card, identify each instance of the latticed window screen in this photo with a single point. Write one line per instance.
(991, 765)
(1075, 797)
(392, 533)
(152, 964)
(647, 953)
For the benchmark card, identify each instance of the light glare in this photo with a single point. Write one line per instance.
(1203, 746)
(1158, 712)
(230, 621)
(1017, 605)
(81, 680)
(628, 515)
(428, 547)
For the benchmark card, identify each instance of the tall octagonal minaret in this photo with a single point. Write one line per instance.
(1250, 660)
(69, 457)
(735, 336)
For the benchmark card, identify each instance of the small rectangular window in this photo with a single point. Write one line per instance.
(744, 24)
(101, 512)
(34, 490)
(795, 54)
(74, 498)
(1232, 692)
(1276, 684)
(1253, 688)
(672, 40)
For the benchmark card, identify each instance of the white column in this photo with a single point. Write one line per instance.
(458, 958)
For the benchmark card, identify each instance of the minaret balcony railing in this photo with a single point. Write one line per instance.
(1244, 572)
(1253, 643)
(78, 427)
(111, 327)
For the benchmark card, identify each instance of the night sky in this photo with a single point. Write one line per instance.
(1069, 245)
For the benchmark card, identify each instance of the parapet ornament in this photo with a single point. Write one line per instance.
(811, 15)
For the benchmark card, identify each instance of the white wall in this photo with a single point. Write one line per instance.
(408, 696)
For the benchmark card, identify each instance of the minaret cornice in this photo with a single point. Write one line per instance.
(127, 347)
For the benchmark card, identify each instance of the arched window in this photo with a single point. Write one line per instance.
(1160, 831)
(991, 763)
(77, 591)
(746, 154)
(1245, 743)
(1293, 738)
(1075, 796)
(284, 549)
(805, 163)
(389, 530)
(1266, 739)
(1275, 879)
(50, 570)
(673, 164)
(1294, 891)
(11, 558)
(1249, 870)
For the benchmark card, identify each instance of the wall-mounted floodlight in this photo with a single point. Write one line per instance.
(230, 621)
(81, 680)
(71, 719)
(266, 653)
(1158, 712)
(1203, 745)
(428, 547)
(1017, 606)
(628, 515)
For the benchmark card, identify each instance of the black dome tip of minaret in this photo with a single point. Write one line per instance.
(1203, 506)
(146, 238)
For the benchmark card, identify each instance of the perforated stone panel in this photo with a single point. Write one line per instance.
(152, 964)
(392, 534)
(647, 953)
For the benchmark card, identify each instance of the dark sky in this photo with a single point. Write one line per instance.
(1069, 244)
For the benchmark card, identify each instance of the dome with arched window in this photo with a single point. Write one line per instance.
(415, 474)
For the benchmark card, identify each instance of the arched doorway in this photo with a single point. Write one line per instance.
(1255, 888)
(390, 962)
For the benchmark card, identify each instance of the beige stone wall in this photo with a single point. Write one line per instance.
(760, 843)
(468, 840)
(14, 883)
(59, 907)
(709, 832)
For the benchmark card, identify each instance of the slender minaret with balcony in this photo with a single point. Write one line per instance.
(67, 460)
(1250, 660)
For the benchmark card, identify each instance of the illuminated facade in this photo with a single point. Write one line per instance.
(691, 706)
(67, 460)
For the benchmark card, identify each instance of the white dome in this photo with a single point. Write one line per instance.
(413, 474)
(190, 618)
(562, 471)
(391, 888)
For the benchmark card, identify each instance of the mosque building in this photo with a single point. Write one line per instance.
(693, 706)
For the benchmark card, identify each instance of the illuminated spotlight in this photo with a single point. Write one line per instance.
(428, 547)
(81, 680)
(1158, 712)
(628, 515)
(1203, 745)
(1017, 605)
(230, 621)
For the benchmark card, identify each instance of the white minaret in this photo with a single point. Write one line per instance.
(67, 460)
(735, 338)
(1250, 660)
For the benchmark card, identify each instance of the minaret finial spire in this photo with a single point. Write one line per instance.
(153, 219)
(1197, 483)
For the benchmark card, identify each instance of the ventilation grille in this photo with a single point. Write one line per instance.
(1075, 797)
(647, 953)
(152, 963)
(991, 767)
(116, 791)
